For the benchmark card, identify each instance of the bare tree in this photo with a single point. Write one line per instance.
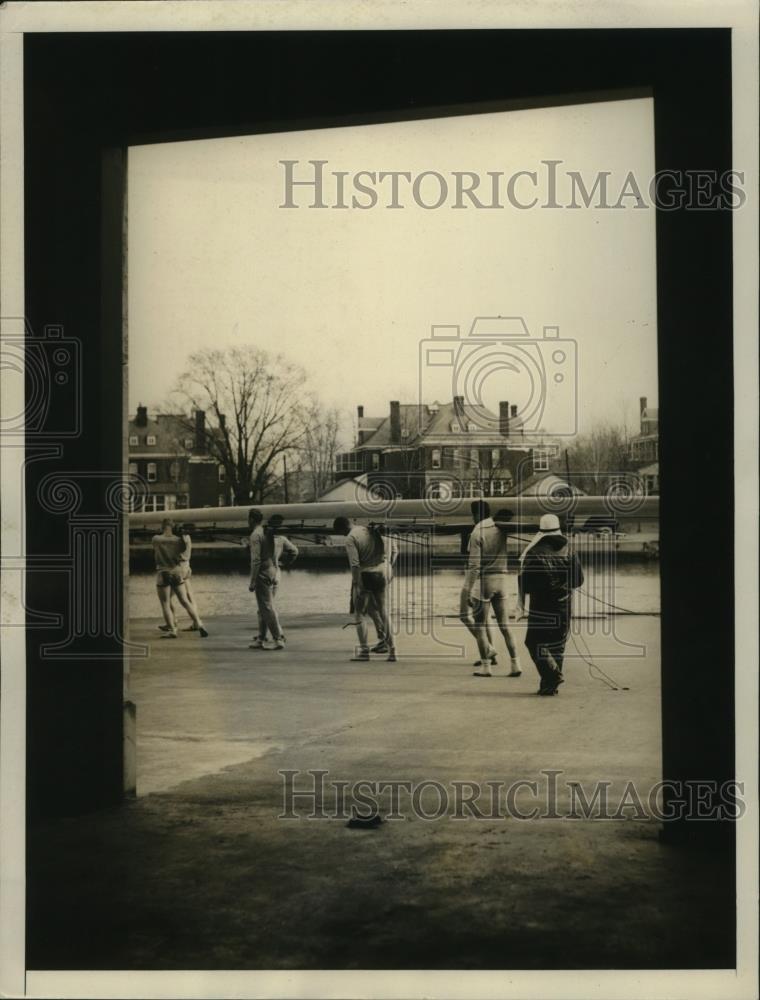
(319, 446)
(599, 457)
(254, 413)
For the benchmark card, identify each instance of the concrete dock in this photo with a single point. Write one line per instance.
(199, 871)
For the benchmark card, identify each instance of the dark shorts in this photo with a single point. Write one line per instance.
(171, 578)
(374, 583)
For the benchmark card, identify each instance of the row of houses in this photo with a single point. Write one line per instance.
(435, 450)
(170, 453)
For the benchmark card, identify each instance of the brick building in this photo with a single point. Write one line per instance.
(645, 453)
(170, 452)
(439, 450)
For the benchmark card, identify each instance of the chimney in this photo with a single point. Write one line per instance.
(395, 422)
(200, 431)
(458, 406)
(504, 418)
(360, 412)
(642, 405)
(513, 410)
(222, 421)
(141, 420)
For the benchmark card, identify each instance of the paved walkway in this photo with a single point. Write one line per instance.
(199, 872)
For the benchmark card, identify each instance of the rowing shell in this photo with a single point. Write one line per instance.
(621, 507)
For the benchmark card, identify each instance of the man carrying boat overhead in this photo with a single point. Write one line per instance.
(371, 558)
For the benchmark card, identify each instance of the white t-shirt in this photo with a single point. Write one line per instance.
(362, 553)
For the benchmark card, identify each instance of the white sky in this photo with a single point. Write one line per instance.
(214, 260)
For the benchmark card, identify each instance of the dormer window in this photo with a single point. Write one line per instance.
(134, 440)
(455, 428)
(150, 439)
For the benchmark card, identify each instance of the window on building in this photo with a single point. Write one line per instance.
(133, 468)
(375, 460)
(501, 487)
(472, 426)
(133, 440)
(152, 476)
(182, 501)
(404, 433)
(222, 475)
(220, 500)
(454, 427)
(174, 471)
(189, 442)
(150, 439)
(156, 501)
(540, 460)
(349, 461)
(435, 458)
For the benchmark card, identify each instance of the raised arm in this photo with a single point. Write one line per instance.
(290, 549)
(474, 557)
(353, 561)
(255, 543)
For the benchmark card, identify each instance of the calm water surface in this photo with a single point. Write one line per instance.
(324, 590)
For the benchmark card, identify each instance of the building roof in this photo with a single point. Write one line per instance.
(433, 423)
(170, 430)
(544, 484)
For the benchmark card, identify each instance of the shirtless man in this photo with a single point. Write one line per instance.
(370, 558)
(487, 566)
(171, 574)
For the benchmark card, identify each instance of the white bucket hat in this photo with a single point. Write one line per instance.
(548, 525)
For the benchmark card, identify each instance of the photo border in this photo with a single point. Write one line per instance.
(149, 16)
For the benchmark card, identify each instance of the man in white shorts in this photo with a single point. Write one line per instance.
(371, 556)
(487, 568)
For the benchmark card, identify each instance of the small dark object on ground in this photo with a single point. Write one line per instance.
(364, 822)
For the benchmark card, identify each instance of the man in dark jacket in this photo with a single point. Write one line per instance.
(549, 573)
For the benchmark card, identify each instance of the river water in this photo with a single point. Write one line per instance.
(631, 586)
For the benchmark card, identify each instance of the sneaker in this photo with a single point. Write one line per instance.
(169, 634)
(361, 657)
(163, 628)
(381, 647)
(256, 643)
(203, 633)
(391, 657)
(279, 643)
(485, 669)
(514, 669)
